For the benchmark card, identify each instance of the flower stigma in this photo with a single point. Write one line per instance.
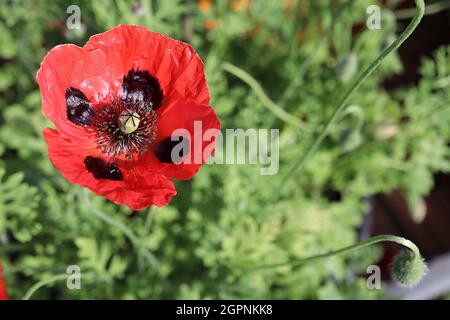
(129, 121)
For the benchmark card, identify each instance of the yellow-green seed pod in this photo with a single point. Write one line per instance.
(129, 121)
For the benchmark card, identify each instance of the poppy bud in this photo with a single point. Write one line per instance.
(408, 268)
(129, 121)
(347, 67)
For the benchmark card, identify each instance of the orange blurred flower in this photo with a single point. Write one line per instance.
(204, 5)
(240, 5)
(210, 24)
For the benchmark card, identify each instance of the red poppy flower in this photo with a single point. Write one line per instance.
(3, 295)
(115, 103)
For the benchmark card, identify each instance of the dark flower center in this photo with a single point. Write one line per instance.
(125, 127)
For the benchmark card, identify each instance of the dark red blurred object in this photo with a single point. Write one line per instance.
(3, 294)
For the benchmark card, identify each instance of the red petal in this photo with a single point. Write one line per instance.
(98, 69)
(137, 190)
(3, 294)
(183, 114)
(70, 66)
(174, 63)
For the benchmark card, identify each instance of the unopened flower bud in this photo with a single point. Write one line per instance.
(408, 268)
(347, 67)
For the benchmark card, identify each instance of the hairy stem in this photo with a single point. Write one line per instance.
(138, 244)
(261, 95)
(420, 9)
(102, 216)
(382, 238)
(298, 80)
(43, 283)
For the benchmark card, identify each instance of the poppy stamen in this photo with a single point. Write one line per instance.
(125, 127)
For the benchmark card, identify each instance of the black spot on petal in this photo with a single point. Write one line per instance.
(141, 86)
(180, 148)
(79, 110)
(101, 169)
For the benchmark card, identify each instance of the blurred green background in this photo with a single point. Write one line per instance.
(299, 56)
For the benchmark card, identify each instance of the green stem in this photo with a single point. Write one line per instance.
(43, 283)
(261, 95)
(143, 253)
(382, 238)
(432, 8)
(56, 278)
(148, 221)
(127, 231)
(420, 6)
(357, 112)
(102, 216)
(298, 80)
